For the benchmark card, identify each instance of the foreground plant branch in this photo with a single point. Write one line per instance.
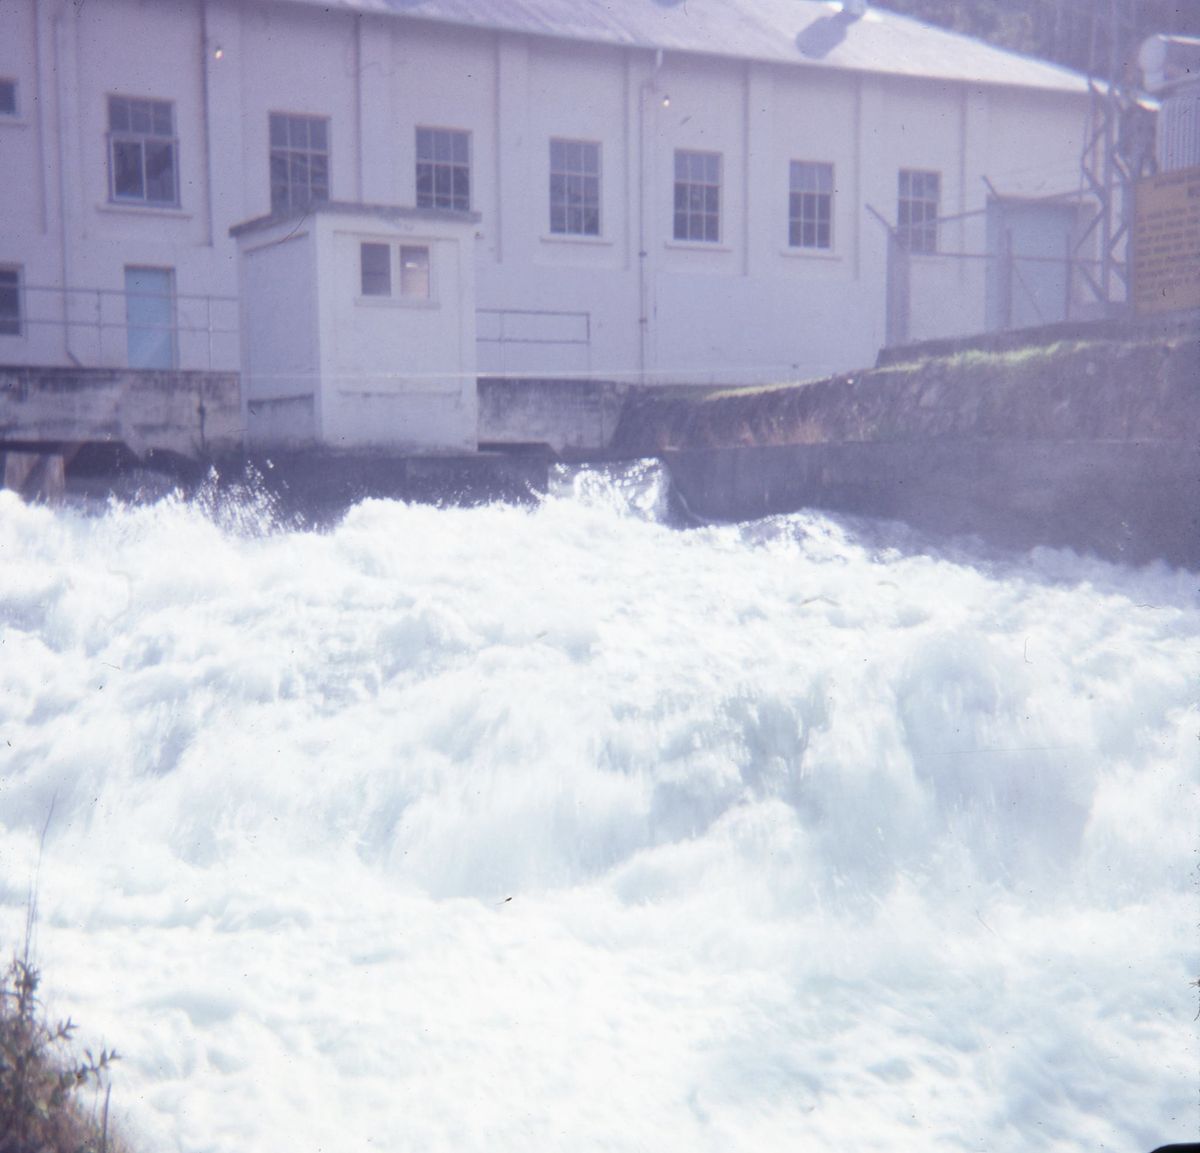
(40, 1111)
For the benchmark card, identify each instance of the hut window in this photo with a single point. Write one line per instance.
(376, 261)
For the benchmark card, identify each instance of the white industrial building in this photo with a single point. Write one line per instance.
(363, 204)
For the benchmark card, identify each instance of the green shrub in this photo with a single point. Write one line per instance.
(40, 1111)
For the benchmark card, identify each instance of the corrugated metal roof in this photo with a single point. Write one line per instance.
(808, 32)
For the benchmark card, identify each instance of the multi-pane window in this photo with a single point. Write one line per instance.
(917, 210)
(575, 187)
(299, 161)
(142, 151)
(10, 301)
(375, 262)
(698, 196)
(443, 168)
(810, 205)
(8, 97)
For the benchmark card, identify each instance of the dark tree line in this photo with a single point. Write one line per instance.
(1077, 33)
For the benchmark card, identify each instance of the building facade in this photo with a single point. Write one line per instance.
(722, 191)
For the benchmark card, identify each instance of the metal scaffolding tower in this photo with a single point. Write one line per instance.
(1114, 152)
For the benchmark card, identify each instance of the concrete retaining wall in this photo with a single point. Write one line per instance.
(1122, 500)
(568, 416)
(189, 414)
(1168, 326)
(1094, 390)
(320, 484)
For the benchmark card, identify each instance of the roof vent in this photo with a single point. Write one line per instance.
(825, 33)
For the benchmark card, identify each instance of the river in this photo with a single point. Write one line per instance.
(561, 828)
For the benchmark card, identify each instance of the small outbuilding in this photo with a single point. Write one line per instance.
(358, 327)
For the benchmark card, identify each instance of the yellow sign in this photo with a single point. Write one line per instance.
(1166, 242)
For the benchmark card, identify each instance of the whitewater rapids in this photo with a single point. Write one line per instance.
(563, 829)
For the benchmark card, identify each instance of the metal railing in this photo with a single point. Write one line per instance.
(202, 331)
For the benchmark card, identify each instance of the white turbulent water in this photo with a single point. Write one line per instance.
(559, 828)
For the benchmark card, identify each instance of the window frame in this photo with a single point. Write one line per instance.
(917, 212)
(125, 142)
(810, 209)
(376, 282)
(453, 166)
(404, 294)
(582, 216)
(399, 279)
(17, 319)
(290, 152)
(692, 187)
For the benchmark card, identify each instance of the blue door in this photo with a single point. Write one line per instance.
(150, 317)
(1029, 276)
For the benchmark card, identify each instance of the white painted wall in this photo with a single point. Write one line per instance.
(745, 309)
(280, 325)
(31, 219)
(398, 371)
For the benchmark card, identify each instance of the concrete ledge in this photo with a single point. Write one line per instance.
(1103, 390)
(569, 416)
(1127, 501)
(1130, 330)
(320, 485)
(189, 414)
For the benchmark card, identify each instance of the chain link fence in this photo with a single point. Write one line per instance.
(1015, 264)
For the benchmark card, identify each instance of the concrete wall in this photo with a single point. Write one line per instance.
(1122, 500)
(745, 309)
(191, 414)
(1090, 442)
(1103, 388)
(568, 416)
(320, 486)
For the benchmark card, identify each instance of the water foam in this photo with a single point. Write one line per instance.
(559, 827)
